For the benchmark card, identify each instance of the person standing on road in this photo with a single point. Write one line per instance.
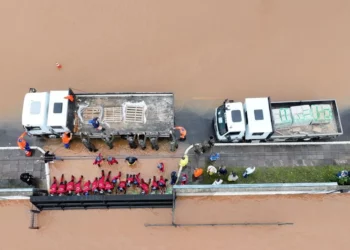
(197, 173)
(184, 161)
(248, 171)
(131, 160)
(66, 138)
(77, 187)
(232, 177)
(160, 166)
(145, 186)
(98, 160)
(211, 170)
(27, 178)
(87, 187)
(183, 132)
(24, 145)
(96, 124)
(218, 181)
(53, 188)
(173, 178)
(184, 179)
(87, 143)
(222, 170)
(111, 160)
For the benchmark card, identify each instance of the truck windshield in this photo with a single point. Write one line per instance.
(222, 125)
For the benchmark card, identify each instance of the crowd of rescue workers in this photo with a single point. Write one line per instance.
(106, 184)
(119, 184)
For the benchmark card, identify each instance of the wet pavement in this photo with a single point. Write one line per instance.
(277, 155)
(197, 123)
(199, 127)
(14, 163)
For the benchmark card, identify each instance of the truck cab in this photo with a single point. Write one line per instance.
(229, 122)
(46, 113)
(235, 122)
(259, 123)
(34, 115)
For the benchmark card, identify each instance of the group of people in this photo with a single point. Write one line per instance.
(131, 160)
(106, 185)
(221, 172)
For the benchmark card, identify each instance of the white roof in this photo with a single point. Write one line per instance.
(58, 102)
(235, 117)
(34, 112)
(258, 113)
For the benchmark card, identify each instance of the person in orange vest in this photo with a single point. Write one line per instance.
(23, 144)
(66, 138)
(182, 131)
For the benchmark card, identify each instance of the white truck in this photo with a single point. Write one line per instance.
(134, 116)
(260, 120)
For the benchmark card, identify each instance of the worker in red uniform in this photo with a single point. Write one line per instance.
(101, 182)
(184, 179)
(77, 189)
(70, 185)
(154, 185)
(24, 145)
(116, 178)
(53, 188)
(137, 180)
(109, 186)
(129, 180)
(87, 187)
(111, 160)
(145, 186)
(62, 188)
(94, 186)
(160, 166)
(66, 138)
(122, 187)
(162, 184)
(98, 160)
(183, 132)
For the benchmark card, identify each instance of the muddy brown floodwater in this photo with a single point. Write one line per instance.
(320, 222)
(201, 50)
(291, 49)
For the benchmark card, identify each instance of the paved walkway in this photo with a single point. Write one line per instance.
(275, 155)
(13, 163)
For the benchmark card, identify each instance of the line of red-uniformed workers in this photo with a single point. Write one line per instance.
(106, 184)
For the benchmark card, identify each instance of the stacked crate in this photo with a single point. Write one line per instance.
(322, 114)
(282, 118)
(301, 115)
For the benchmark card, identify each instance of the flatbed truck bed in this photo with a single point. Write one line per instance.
(125, 113)
(333, 128)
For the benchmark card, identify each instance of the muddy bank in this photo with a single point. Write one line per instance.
(318, 224)
(200, 50)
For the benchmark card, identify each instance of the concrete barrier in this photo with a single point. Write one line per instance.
(15, 193)
(255, 189)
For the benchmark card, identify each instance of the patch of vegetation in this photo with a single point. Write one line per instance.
(282, 175)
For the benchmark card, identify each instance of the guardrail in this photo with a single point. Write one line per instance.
(256, 189)
(102, 201)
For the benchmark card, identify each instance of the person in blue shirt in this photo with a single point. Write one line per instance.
(96, 124)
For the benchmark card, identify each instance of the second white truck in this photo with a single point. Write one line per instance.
(260, 120)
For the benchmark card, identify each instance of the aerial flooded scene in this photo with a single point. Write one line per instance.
(174, 124)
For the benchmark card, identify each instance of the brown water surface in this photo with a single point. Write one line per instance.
(201, 50)
(319, 223)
